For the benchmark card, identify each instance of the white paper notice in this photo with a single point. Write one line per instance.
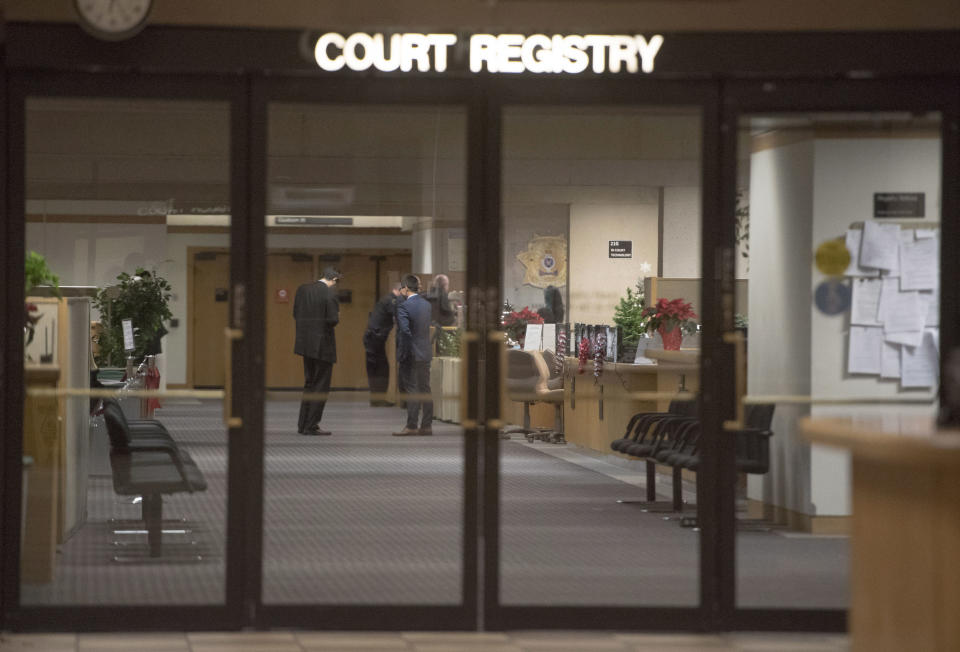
(890, 288)
(865, 348)
(919, 263)
(924, 233)
(880, 246)
(890, 361)
(853, 246)
(905, 313)
(933, 308)
(919, 365)
(128, 344)
(550, 337)
(533, 340)
(866, 302)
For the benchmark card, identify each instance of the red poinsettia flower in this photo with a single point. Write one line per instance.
(515, 323)
(670, 315)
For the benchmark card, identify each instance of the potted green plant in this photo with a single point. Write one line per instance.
(36, 272)
(144, 299)
(628, 315)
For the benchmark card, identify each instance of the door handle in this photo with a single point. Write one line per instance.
(230, 335)
(467, 339)
(740, 375)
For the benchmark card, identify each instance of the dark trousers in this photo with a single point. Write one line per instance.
(316, 380)
(418, 382)
(378, 369)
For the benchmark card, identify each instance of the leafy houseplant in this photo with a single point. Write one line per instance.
(628, 315)
(142, 298)
(515, 323)
(672, 319)
(36, 272)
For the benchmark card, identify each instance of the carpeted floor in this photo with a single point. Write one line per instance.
(361, 517)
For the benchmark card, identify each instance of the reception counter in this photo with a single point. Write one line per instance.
(598, 408)
(905, 544)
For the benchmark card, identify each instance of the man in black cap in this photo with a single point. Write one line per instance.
(316, 311)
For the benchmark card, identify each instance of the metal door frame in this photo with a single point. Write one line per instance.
(22, 84)
(914, 93)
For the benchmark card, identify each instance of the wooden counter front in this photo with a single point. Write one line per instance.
(42, 440)
(905, 540)
(597, 410)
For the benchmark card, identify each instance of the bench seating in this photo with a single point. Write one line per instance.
(146, 461)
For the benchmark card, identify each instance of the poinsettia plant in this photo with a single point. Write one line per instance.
(670, 315)
(515, 323)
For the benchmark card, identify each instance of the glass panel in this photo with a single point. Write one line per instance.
(828, 337)
(120, 194)
(601, 210)
(374, 195)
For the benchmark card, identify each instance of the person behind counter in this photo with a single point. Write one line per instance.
(552, 312)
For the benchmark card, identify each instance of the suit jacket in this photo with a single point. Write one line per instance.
(316, 311)
(380, 320)
(413, 330)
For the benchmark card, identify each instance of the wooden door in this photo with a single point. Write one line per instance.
(209, 311)
(285, 273)
(392, 270)
(357, 290)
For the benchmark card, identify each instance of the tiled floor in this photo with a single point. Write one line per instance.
(422, 642)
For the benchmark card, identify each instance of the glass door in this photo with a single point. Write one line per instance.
(367, 464)
(122, 213)
(597, 445)
(840, 222)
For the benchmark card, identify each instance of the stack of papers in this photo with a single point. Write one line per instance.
(894, 316)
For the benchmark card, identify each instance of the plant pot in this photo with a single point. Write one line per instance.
(671, 339)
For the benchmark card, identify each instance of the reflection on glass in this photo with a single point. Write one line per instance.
(376, 195)
(601, 221)
(118, 510)
(842, 212)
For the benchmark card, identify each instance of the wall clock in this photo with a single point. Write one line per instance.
(113, 20)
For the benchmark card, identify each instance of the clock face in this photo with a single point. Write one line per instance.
(113, 19)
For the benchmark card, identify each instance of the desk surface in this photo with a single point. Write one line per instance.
(679, 361)
(898, 439)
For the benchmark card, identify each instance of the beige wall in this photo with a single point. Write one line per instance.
(517, 15)
(597, 281)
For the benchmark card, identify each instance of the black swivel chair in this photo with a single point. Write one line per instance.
(145, 461)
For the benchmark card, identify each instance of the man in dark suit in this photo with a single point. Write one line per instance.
(413, 346)
(316, 311)
(379, 325)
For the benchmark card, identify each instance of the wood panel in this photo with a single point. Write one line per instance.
(359, 278)
(208, 316)
(285, 273)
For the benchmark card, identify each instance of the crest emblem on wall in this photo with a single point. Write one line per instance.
(545, 261)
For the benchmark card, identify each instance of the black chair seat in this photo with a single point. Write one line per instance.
(146, 461)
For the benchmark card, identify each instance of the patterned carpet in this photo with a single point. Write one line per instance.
(361, 517)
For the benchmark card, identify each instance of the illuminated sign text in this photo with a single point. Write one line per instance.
(492, 53)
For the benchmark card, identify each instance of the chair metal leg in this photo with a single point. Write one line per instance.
(152, 518)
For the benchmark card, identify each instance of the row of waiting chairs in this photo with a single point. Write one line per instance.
(673, 439)
(146, 462)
